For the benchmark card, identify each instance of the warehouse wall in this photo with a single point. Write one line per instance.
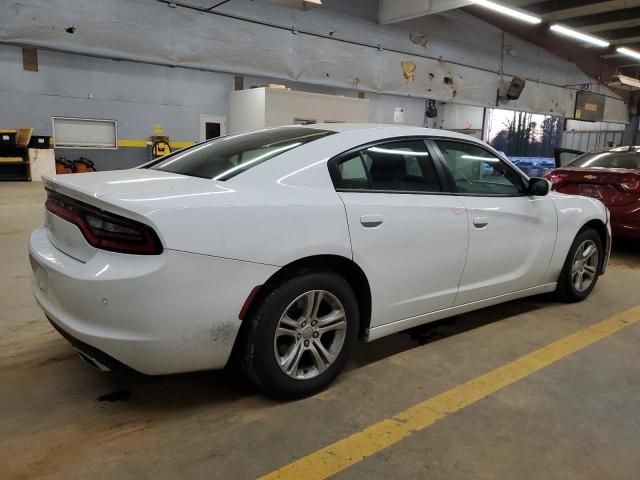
(138, 96)
(381, 106)
(588, 136)
(182, 48)
(461, 61)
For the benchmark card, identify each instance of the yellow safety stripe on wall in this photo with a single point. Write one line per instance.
(143, 143)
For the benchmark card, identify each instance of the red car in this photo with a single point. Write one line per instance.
(612, 176)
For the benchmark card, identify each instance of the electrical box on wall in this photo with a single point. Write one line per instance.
(589, 106)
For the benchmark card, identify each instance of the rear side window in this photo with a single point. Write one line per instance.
(477, 171)
(226, 157)
(394, 166)
(613, 159)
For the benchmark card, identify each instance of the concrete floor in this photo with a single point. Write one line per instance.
(576, 419)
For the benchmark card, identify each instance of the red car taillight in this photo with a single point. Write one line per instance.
(630, 187)
(555, 179)
(105, 230)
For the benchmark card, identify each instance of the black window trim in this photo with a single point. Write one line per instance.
(152, 163)
(444, 175)
(333, 163)
(437, 153)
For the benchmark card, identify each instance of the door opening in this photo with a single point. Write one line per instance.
(212, 127)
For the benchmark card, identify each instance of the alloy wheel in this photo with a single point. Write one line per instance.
(310, 334)
(584, 268)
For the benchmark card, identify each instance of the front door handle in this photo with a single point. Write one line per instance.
(480, 222)
(371, 221)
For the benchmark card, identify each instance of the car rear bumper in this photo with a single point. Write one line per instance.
(156, 314)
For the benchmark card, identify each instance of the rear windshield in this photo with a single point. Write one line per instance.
(630, 160)
(226, 157)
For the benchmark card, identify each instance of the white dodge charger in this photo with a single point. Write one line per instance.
(286, 245)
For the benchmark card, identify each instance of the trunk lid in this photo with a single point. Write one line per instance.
(134, 194)
(604, 184)
(139, 191)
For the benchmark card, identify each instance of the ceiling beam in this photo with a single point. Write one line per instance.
(625, 41)
(391, 11)
(591, 9)
(518, 3)
(601, 27)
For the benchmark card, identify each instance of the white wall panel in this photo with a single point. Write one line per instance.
(468, 85)
(615, 110)
(342, 65)
(120, 28)
(228, 45)
(460, 117)
(456, 37)
(152, 31)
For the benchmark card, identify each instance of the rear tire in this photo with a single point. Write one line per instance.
(581, 267)
(302, 335)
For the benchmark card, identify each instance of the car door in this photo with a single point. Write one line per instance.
(564, 156)
(511, 233)
(406, 234)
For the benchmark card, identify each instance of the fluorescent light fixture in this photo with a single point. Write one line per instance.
(569, 32)
(482, 159)
(630, 53)
(388, 151)
(511, 12)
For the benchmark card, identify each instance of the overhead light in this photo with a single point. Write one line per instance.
(569, 32)
(628, 52)
(511, 12)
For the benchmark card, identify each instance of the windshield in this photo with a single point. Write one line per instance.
(226, 157)
(613, 159)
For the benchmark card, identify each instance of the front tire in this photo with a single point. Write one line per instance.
(301, 336)
(582, 267)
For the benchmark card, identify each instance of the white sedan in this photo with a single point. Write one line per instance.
(286, 245)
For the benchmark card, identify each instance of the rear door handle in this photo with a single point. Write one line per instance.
(480, 222)
(371, 221)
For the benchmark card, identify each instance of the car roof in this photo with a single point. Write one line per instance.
(391, 130)
(620, 149)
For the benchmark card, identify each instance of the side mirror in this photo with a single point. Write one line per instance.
(539, 187)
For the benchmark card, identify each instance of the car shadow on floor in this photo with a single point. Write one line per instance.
(184, 391)
(445, 328)
(625, 252)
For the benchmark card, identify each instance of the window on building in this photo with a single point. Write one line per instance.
(85, 133)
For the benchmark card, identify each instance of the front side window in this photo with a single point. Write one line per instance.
(394, 166)
(226, 157)
(476, 171)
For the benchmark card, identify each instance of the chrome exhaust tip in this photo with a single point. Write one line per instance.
(92, 361)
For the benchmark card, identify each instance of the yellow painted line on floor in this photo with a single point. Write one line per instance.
(355, 448)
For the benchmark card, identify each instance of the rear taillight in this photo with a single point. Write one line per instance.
(105, 230)
(555, 179)
(630, 187)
